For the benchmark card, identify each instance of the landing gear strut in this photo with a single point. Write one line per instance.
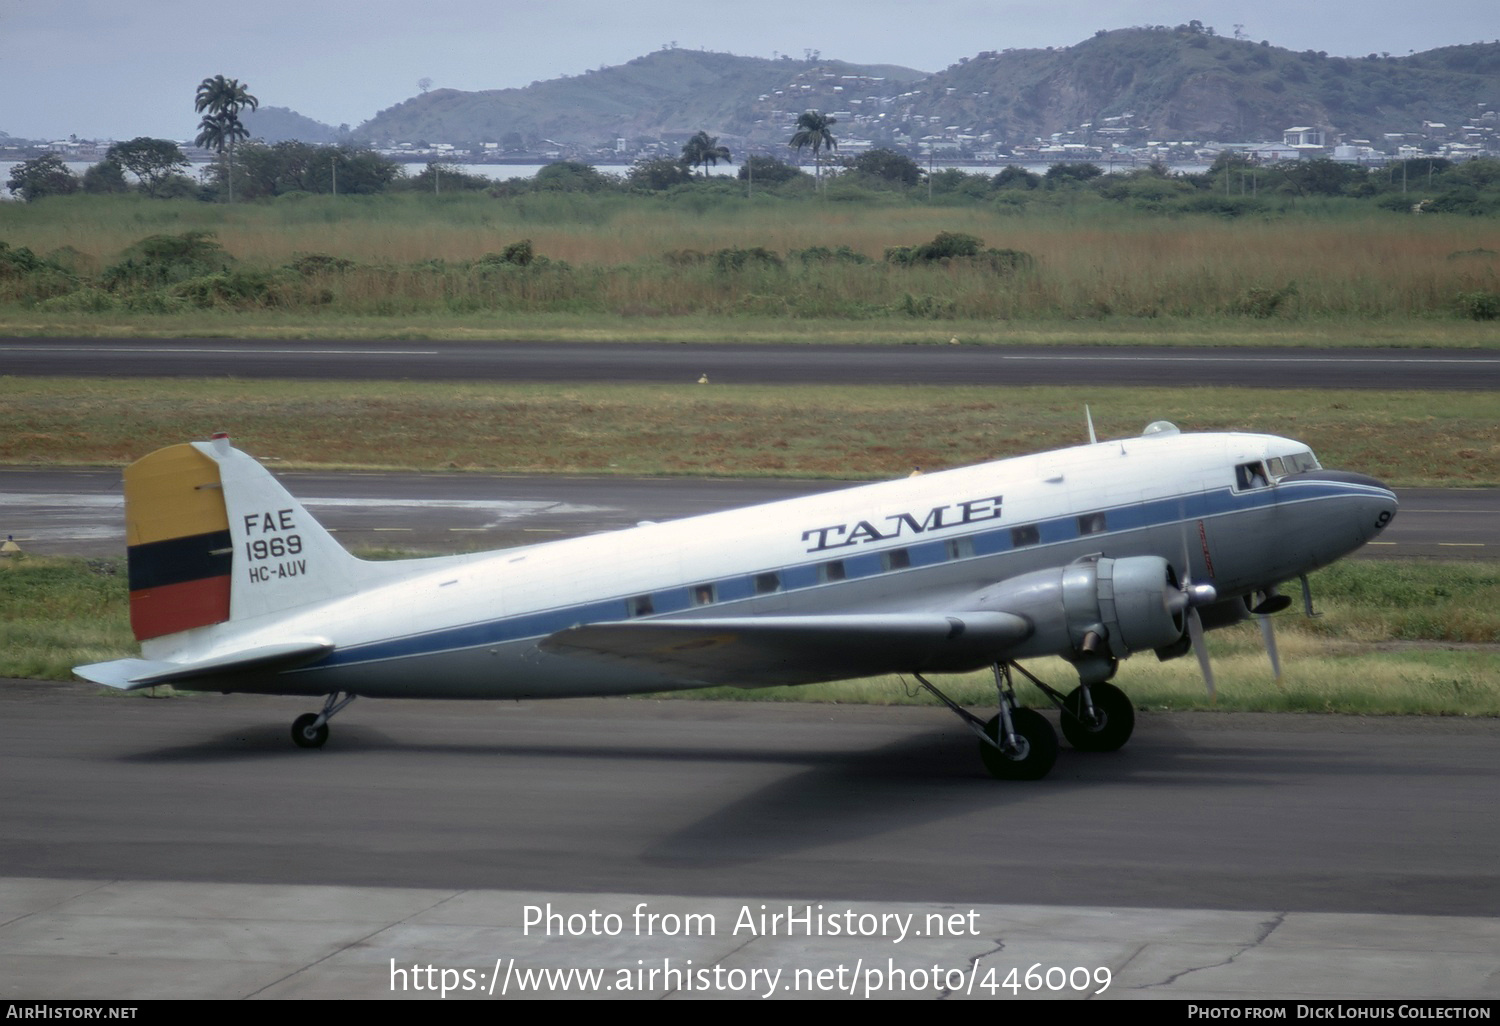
(310, 730)
(1016, 744)
(1019, 744)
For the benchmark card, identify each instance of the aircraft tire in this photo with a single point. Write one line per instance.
(1035, 762)
(1116, 719)
(303, 734)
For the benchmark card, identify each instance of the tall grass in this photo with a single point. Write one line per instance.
(1093, 260)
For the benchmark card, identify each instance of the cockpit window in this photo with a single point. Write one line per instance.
(1251, 475)
(1296, 463)
(1301, 461)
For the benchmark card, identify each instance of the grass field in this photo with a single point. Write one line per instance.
(1404, 438)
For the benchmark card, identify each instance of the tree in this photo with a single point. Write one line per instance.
(812, 130)
(223, 99)
(571, 176)
(887, 165)
(656, 174)
(105, 177)
(439, 177)
(152, 161)
(1067, 173)
(703, 150)
(769, 171)
(292, 166)
(42, 176)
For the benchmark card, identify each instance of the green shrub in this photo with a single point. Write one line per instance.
(1259, 301)
(1479, 306)
(159, 260)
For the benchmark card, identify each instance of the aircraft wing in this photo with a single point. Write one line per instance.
(761, 651)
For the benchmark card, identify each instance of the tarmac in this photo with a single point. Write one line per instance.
(120, 940)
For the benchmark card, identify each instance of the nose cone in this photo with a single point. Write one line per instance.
(1362, 506)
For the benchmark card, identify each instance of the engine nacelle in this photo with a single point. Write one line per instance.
(1093, 612)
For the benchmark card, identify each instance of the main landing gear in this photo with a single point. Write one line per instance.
(310, 730)
(1019, 744)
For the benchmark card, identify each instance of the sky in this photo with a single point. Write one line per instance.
(102, 69)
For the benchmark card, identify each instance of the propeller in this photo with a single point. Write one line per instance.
(1189, 598)
(1270, 602)
(1269, 633)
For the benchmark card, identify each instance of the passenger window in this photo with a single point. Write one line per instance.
(960, 548)
(895, 559)
(703, 595)
(642, 605)
(833, 570)
(1023, 536)
(1091, 523)
(765, 584)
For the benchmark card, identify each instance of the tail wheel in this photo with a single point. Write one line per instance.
(1034, 753)
(1110, 726)
(305, 734)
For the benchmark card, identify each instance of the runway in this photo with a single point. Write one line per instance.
(729, 363)
(1226, 855)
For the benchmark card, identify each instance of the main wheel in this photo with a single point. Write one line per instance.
(1036, 752)
(305, 735)
(1108, 729)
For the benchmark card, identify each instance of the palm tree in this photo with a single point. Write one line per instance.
(223, 98)
(812, 130)
(703, 150)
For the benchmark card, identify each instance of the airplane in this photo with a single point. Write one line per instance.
(1091, 553)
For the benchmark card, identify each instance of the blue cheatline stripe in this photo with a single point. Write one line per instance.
(857, 565)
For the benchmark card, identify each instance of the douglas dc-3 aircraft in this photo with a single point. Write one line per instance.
(1090, 553)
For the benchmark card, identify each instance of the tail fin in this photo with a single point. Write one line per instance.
(212, 536)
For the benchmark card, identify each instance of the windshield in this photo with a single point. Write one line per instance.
(1296, 463)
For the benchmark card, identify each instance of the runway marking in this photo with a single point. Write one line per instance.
(1462, 545)
(1259, 357)
(238, 350)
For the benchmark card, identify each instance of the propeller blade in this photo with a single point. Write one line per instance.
(1268, 632)
(1195, 632)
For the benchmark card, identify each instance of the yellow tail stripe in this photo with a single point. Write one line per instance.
(173, 493)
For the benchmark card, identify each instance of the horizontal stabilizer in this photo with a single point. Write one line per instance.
(797, 649)
(133, 674)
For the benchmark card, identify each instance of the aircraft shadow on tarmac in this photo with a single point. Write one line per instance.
(828, 797)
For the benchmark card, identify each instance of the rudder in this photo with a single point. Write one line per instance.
(178, 543)
(212, 536)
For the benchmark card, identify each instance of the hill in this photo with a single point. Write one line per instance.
(1187, 83)
(1179, 83)
(664, 95)
(279, 124)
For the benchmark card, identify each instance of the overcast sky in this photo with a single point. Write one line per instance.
(116, 69)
